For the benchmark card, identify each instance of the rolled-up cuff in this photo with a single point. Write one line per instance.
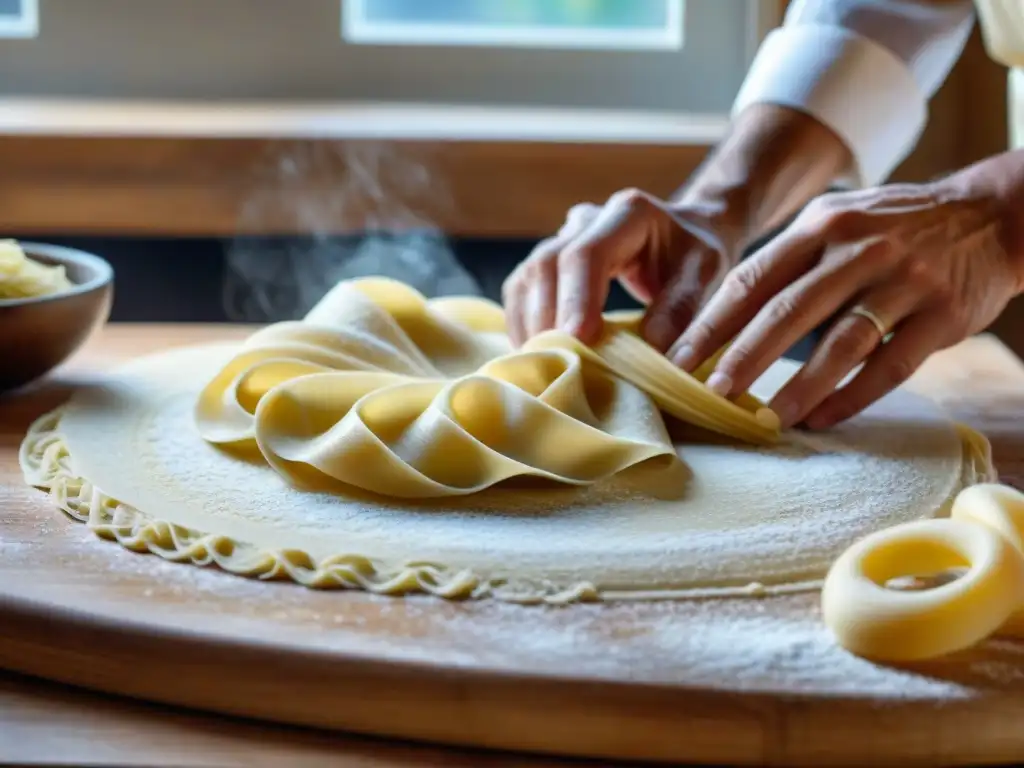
(851, 84)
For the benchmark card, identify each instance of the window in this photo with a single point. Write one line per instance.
(670, 55)
(158, 116)
(637, 24)
(18, 18)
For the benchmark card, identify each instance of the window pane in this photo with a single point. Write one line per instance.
(18, 18)
(574, 23)
(281, 50)
(586, 14)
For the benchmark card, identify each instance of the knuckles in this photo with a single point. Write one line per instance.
(698, 336)
(838, 213)
(582, 211)
(741, 282)
(630, 197)
(928, 279)
(823, 207)
(537, 265)
(554, 252)
(783, 309)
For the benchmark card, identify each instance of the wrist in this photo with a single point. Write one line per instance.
(724, 214)
(773, 161)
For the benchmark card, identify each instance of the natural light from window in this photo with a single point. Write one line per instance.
(593, 24)
(626, 55)
(19, 18)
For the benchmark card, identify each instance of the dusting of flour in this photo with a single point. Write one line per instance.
(746, 515)
(774, 645)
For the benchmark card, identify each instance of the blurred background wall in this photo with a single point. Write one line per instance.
(200, 226)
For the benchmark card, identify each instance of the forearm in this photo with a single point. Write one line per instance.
(772, 162)
(837, 94)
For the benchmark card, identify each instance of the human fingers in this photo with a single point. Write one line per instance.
(586, 266)
(541, 289)
(672, 310)
(745, 290)
(854, 336)
(831, 218)
(513, 299)
(890, 366)
(796, 311)
(529, 294)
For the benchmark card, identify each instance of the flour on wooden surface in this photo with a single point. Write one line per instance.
(748, 515)
(754, 645)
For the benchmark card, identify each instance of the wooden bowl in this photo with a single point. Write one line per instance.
(38, 334)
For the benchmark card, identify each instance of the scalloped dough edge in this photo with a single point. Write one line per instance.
(46, 464)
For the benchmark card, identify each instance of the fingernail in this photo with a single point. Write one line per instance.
(685, 357)
(719, 383)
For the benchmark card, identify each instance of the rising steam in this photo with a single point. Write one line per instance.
(368, 189)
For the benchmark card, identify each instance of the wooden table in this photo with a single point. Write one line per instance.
(44, 723)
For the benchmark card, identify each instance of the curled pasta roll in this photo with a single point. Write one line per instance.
(982, 536)
(1001, 508)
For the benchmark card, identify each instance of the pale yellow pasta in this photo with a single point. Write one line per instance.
(22, 277)
(381, 389)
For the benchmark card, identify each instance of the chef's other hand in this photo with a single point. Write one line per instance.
(667, 256)
(910, 269)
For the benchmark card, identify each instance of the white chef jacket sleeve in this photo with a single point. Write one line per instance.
(864, 68)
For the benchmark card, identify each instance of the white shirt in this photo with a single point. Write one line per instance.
(865, 68)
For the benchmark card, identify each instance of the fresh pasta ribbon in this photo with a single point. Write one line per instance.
(381, 389)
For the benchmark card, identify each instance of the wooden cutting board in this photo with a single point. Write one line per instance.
(727, 681)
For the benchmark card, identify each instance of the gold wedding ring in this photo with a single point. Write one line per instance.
(872, 318)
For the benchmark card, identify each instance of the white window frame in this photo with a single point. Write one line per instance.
(24, 26)
(355, 31)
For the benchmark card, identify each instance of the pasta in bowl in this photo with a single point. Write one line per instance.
(52, 298)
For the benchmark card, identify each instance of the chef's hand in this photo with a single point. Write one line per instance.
(927, 264)
(668, 256)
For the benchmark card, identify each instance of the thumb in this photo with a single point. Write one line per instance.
(672, 310)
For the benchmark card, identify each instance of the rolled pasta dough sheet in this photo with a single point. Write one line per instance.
(698, 515)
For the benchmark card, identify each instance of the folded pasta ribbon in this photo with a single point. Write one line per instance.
(381, 389)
